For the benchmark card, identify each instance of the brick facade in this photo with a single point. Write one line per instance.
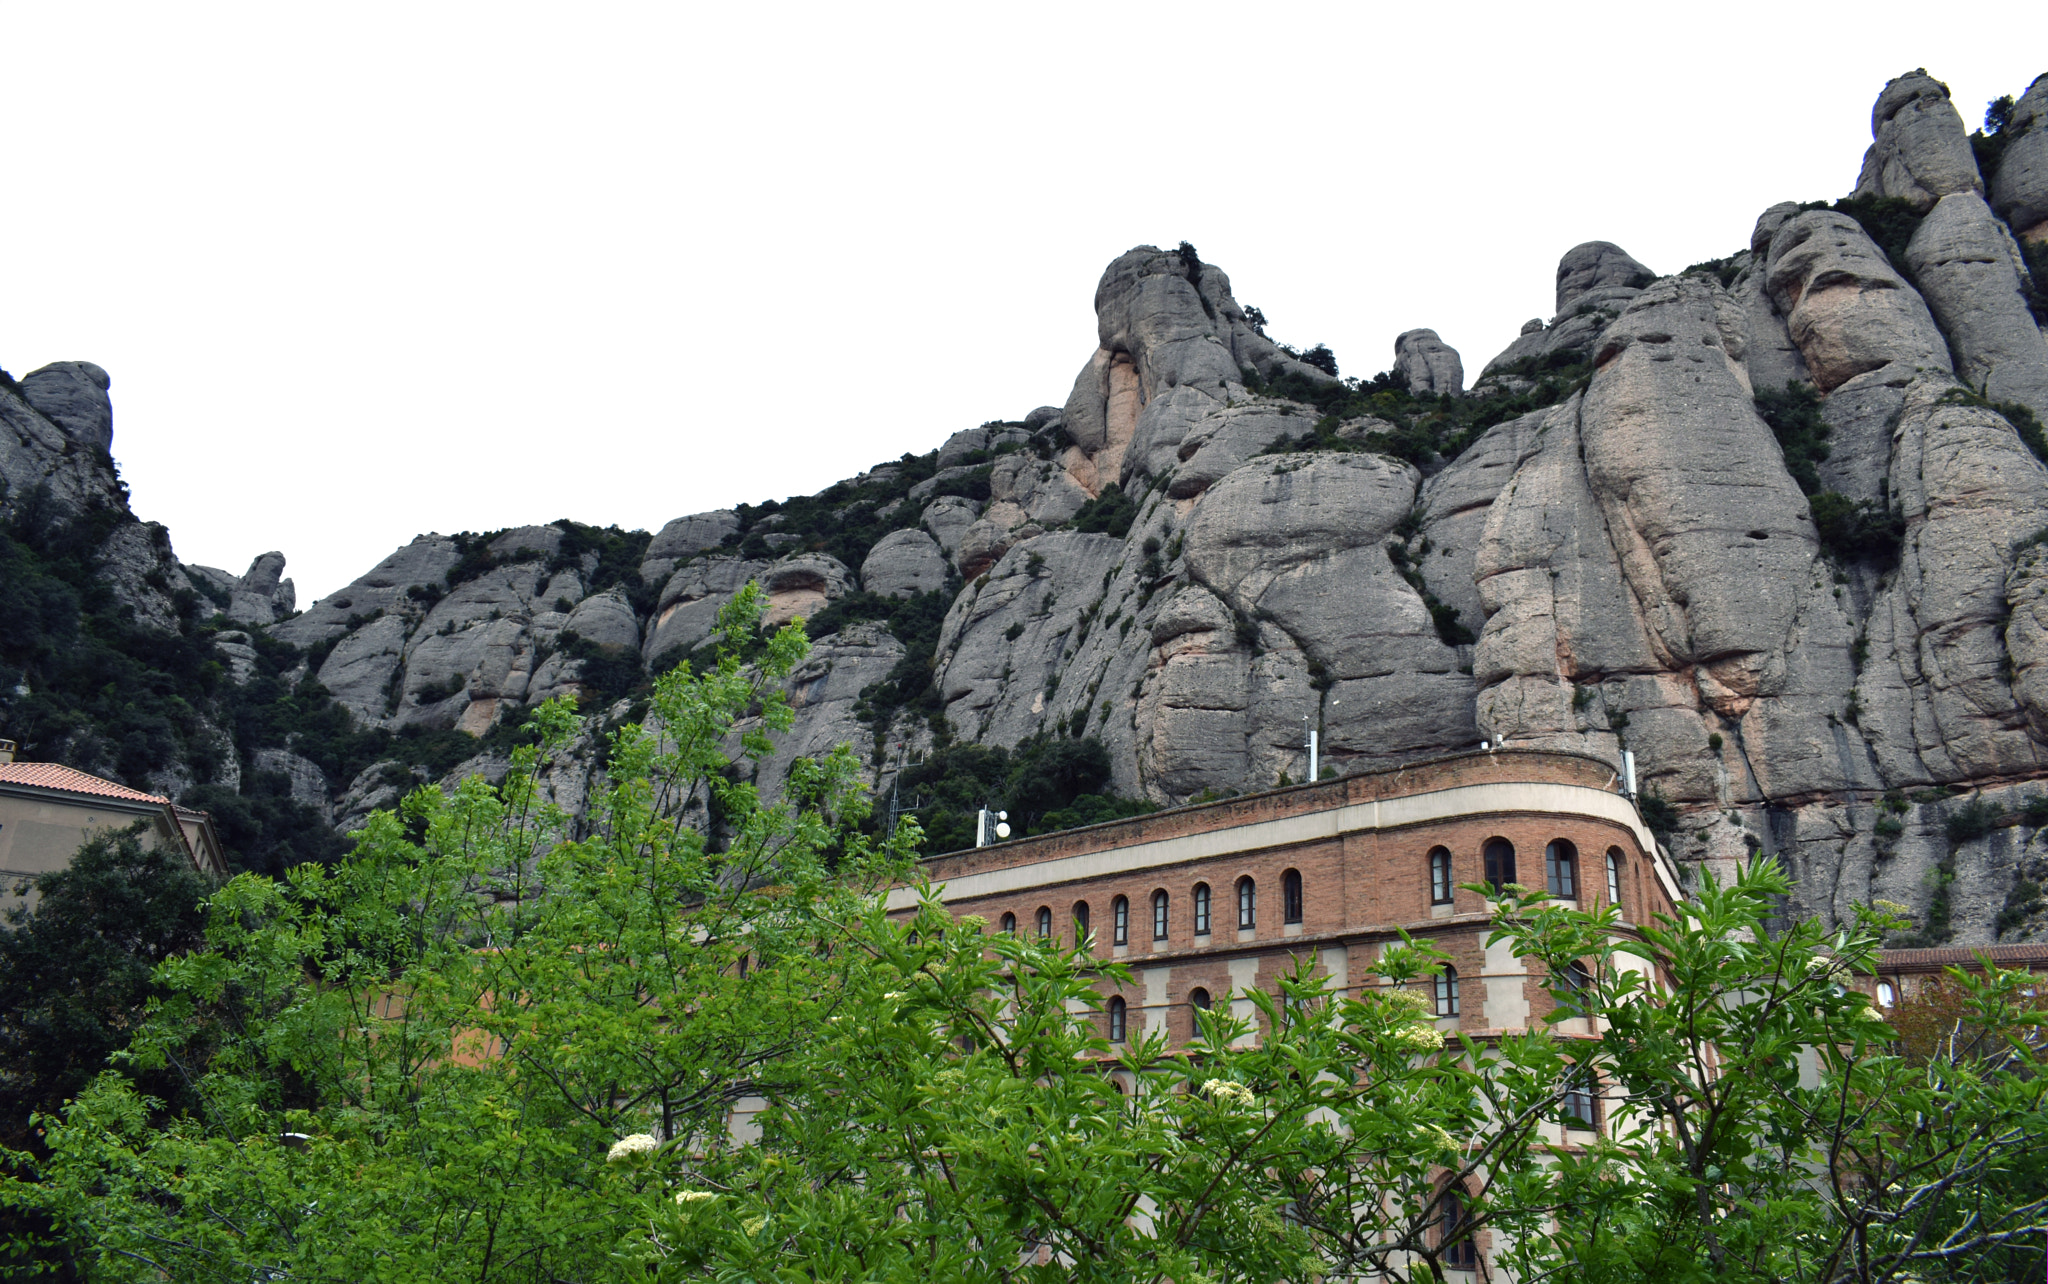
(1361, 847)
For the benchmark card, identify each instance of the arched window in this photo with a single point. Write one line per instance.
(1247, 904)
(1614, 876)
(1561, 867)
(1201, 909)
(1045, 920)
(1439, 876)
(1579, 1108)
(1010, 924)
(1080, 921)
(1500, 863)
(1117, 1014)
(1120, 921)
(1159, 903)
(1447, 992)
(1199, 997)
(1459, 1253)
(1887, 994)
(1575, 986)
(1290, 896)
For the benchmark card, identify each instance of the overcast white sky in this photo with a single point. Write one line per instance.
(363, 271)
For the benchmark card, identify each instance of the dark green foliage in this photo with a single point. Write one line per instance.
(1973, 820)
(1858, 530)
(1888, 220)
(608, 674)
(2020, 417)
(1794, 415)
(1429, 430)
(1888, 827)
(1989, 143)
(846, 520)
(1723, 270)
(914, 621)
(1449, 628)
(1110, 513)
(473, 556)
(1046, 783)
(1849, 530)
(1320, 357)
(1657, 813)
(2035, 813)
(619, 554)
(265, 827)
(75, 972)
(1094, 809)
(2022, 901)
(2035, 283)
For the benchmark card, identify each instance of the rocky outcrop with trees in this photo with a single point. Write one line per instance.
(1775, 523)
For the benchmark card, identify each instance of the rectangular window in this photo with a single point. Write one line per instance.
(1202, 910)
(1121, 916)
(1159, 916)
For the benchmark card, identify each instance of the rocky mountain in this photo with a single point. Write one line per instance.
(1775, 523)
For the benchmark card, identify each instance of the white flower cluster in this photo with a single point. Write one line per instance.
(625, 1147)
(1420, 1038)
(1229, 1090)
(1412, 999)
(695, 1196)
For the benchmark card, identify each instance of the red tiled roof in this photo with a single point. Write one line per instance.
(1963, 956)
(50, 775)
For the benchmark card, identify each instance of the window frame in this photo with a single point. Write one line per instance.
(1009, 923)
(1614, 876)
(1203, 909)
(1458, 1254)
(1247, 904)
(1579, 1107)
(1044, 922)
(1120, 921)
(1499, 857)
(1561, 868)
(1205, 1002)
(1119, 1018)
(1445, 988)
(1291, 898)
(1441, 888)
(1083, 922)
(1162, 905)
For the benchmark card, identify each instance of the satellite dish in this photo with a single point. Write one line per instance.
(1002, 830)
(1002, 815)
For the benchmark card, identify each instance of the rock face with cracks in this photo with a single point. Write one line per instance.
(1195, 571)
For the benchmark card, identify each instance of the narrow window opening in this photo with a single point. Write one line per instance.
(1120, 921)
(1247, 904)
(1201, 909)
(1439, 876)
(1117, 1012)
(1159, 903)
(1500, 864)
(1045, 920)
(1447, 992)
(1561, 868)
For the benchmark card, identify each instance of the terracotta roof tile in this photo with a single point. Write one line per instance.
(1964, 956)
(50, 775)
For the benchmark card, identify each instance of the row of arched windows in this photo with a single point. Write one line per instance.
(1560, 870)
(1162, 906)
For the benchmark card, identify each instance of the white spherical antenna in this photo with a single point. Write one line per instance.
(1002, 830)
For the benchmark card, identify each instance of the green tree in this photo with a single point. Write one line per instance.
(1763, 1120)
(75, 967)
(412, 1064)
